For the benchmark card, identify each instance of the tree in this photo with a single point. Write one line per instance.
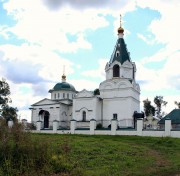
(148, 108)
(9, 113)
(159, 102)
(4, 92)
(6, 111)
(177, 103)
(96, 92)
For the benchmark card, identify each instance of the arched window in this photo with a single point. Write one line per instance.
(117, 53)
(116, 71)
(84, 116)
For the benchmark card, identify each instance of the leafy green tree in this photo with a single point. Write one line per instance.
(9, 113)
(148, 108)
(159, 102)
(4, 92)
(6, 111)
(177, 103)
(96, 92)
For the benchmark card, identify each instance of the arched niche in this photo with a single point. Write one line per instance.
(116, 70)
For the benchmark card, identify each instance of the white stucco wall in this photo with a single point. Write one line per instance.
(91, 105)
(58, 112)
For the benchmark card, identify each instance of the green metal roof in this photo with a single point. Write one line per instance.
(123, 52)
(63, 86)
(174, 116)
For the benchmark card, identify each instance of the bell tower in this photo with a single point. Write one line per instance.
(120, 92)
(120, 64)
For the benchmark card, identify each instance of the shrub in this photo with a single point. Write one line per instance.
(31, 126)
(98, 126)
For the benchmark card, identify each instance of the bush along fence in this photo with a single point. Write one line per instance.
(113, 130)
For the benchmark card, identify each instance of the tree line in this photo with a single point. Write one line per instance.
(156, 110)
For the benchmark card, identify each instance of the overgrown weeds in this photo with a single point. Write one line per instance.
(20, 154)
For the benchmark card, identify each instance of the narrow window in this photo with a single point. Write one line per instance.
(116, 71)
(67, 96)
(58, 95)
(115, 116)
(84, 116)
(63, 95)
(117, 53)
(54, 96)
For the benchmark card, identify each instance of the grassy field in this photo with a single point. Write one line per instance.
(113, 155)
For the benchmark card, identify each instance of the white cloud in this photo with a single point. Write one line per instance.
(81, 84)
(38, 25)
(100, 72)
(147, 39)
(49, 64)
(165, 29)
(168, 77)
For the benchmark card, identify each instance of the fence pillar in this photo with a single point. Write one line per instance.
(113, 126)
(39, 125)
(92, 126)
(139, 127)
(10, 123)
(167, 127)
(73, 126)
(55, 125)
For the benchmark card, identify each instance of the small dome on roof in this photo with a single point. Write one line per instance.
(63, 86)
(120, 30)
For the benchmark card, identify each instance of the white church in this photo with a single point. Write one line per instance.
(117, 98)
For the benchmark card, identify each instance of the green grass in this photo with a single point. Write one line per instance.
(114, 155)
(27, 154)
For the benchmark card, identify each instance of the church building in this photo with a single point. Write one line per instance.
(117, 98)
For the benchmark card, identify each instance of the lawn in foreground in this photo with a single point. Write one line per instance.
(115, 155)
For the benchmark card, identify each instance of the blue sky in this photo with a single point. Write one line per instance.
(38, 37)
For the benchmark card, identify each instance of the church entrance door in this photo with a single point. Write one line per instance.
(46, 119)
(43, 114)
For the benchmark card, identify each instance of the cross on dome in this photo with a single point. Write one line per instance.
(63, 76)
(120, 29)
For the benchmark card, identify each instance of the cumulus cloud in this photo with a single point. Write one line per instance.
(147, 39)
(167, 77)
(99, 72)
(21, 72)
(37, 25)
(81, 84)
(164, 29)
(81, 4)
(33, 62)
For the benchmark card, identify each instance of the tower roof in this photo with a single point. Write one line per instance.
(120, 53)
